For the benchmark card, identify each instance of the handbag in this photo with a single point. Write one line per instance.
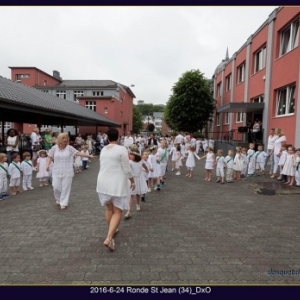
(36, 148)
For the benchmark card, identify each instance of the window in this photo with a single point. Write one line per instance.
(259, 99)
(289, 37)
(77, 94)
(105, 110)
(20, 76)
(61, 94)
(228, 83)
(226, 118)
(91, 105)
(218, 119)
(157, 123)
(260, 59)
(241, 73)
(286, 101)
(97, 93)
(239, 117)
(7, 125)
(45, 91)
(219, 89)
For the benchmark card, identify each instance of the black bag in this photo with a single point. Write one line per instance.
(37, 148)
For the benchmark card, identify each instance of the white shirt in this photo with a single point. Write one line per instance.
(3, 174)
(277, 144)
(229, 162)
(63, 161)
(13, 171)
(162, 155)
(260, 156)
(128, 141)
(271, 141)
(178, 139)
(114, 171)
(220, 162)
(85, 152)
(26, 168)
(11, 140)
(35, 138)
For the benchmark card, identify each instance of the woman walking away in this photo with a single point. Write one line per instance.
(114, 183)
(62, 174)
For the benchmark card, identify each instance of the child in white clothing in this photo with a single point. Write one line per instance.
(173, 156)
(85, 150)
(238, 163)
(297, 174)
(220, 165)
(282, 158)
(178, 162)
(145, 170)
(229, 166)
(245, 163)
(190, 162)
(251, 158)
(4, 176)
(27, 169)
(209, 163)
(154, 169)
(42, 173)
(15, 173)
(260, 157)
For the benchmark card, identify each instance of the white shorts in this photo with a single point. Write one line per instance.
(15, 182)
(119, 202)
(220, 172)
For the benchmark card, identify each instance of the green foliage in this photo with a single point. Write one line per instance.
(198, 135)
(147, 109)
(191, 103)
(137, 122)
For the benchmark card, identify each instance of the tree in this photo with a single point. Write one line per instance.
(137, 123)
(191, 103)
(147, 109)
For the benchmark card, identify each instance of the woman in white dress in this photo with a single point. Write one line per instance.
(114, 183)
(289, 167)
(277, 149)
(63, 172)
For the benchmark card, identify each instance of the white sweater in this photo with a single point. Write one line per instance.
(114, 171)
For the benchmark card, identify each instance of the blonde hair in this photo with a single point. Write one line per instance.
(279, 132)
(47, 130)
(60, 138)
(36, 129)
(2, 155)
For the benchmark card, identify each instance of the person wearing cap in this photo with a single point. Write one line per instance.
(114, 182)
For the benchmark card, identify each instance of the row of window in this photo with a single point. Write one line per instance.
(288, 41)
(92, 105)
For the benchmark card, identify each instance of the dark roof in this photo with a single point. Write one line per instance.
(88, 83)
(27, 101)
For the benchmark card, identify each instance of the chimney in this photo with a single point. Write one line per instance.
(56, 75)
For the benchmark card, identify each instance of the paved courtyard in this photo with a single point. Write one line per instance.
(190, 232)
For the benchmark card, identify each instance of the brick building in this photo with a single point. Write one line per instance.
(106, 97)
(261, 80)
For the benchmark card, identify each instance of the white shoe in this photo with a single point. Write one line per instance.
(138, 207)
(155, 188)
(177, 173)
(172, 170)
(41, 185)
(25, 189)
(149, 190)
(31, 188)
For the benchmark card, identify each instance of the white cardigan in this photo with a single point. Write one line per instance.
(114, 171)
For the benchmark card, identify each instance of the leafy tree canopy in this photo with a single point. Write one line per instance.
(147, 109)
(191, 103)
(137, 123)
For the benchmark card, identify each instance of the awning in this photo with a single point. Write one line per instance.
(241, 107)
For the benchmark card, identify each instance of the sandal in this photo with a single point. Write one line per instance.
(128, 215)
(110, 244)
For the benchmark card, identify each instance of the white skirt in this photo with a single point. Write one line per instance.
(119, 202)
(209, 165)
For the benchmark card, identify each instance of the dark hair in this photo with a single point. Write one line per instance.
(15, 155)
(145, 151)
(113, 134)
(178, 148)
(137, 158)
(26, 154)
(10, 130)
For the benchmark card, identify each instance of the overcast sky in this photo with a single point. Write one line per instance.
(150, 47)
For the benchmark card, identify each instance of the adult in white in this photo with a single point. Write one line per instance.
(255, 131)
(271, 142)
(62, 173)
(128, 140)
(113, 183)
(36, 140)
(277, 149)
(211, 143)
(178, 139)
(11, 142)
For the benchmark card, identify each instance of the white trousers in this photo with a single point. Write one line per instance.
(276, 161)
(229, 174)
(41, 179)
(3, 185)
(27, 181)
(244, 171)
(220, 172)
(260, 166)
(297, 177)
(251, 166)
(62, 189)
(15, 182)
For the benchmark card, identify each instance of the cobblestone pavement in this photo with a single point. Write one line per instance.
(190, 232)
